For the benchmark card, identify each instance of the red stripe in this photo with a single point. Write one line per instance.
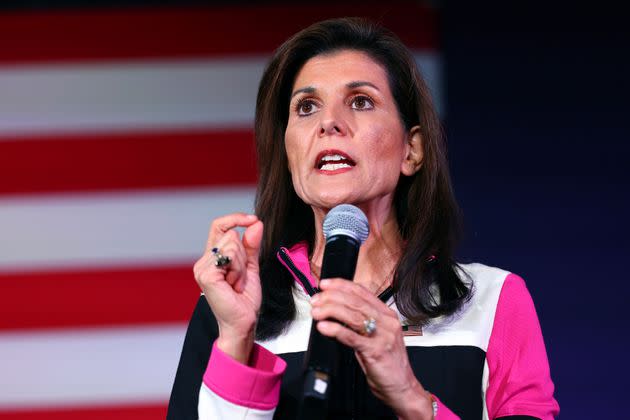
(97, 162)
(93, 34)
(138, 412)
(98, 297)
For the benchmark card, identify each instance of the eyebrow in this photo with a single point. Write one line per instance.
(308, 89)
(351, 85)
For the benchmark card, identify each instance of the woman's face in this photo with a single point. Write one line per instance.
(344, 140)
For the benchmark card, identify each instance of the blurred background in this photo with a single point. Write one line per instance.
(126, 127)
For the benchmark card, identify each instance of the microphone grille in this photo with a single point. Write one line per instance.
(346, 219)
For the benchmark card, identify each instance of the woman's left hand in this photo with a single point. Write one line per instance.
(382, 355)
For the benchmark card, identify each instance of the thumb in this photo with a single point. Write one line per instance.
(251, 242)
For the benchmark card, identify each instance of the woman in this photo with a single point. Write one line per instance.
(343, 116)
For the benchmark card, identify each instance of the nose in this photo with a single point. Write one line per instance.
(332, 125)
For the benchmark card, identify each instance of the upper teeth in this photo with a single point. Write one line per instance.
(328, 158)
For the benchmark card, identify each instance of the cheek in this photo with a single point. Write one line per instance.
(386, 148)
(296, 145)
(290, 149)
(295, 158)
(293, 161)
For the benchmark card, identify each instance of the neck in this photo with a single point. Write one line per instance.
(379, 254)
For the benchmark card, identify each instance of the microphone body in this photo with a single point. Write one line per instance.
(340, 257)
(345, 229)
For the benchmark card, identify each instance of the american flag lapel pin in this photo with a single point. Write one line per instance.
(411, 330)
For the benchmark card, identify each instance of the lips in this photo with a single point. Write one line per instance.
(333, 160)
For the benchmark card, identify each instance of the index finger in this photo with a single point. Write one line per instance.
(220, 225)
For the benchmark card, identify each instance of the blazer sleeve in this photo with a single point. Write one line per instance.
(519, 382)
(200, 336)
(232, 390)
(210, 385)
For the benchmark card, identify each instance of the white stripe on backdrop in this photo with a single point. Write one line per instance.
(123, 228)
(142, 94)
(89, 366)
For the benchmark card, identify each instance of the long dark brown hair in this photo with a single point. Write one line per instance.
(426, 282)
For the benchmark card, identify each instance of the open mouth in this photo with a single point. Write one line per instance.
(332, 160)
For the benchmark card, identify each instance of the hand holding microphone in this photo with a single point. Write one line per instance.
(348, 313)
(345, 229)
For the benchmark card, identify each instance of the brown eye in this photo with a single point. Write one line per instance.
(362, 102)
(306, 107)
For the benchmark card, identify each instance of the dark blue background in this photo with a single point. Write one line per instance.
(537, 123)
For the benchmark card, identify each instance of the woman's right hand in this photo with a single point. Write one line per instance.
(233, 291)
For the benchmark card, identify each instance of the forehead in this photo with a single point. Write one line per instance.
(340, 67)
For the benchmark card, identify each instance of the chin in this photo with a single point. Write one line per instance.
(330, 200)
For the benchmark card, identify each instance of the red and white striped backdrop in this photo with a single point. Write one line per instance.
(123, 132)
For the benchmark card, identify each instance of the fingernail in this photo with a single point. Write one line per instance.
(324, 282)
(314, 299)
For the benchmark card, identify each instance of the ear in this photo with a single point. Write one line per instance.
(415, 152)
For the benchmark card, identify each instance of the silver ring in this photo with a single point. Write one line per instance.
(369, 326)
(220, 259)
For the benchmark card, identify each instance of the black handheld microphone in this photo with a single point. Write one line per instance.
(345, 229)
